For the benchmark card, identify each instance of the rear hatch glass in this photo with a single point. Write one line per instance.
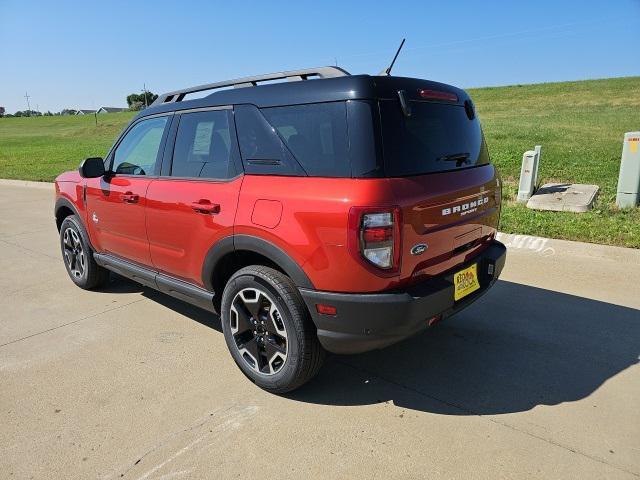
(436, 137)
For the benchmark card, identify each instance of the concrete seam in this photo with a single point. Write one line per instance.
(74, 321)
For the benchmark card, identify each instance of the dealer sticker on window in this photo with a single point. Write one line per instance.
(465, 282)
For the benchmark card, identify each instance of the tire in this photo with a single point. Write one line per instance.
(280, 350)
(77, 256)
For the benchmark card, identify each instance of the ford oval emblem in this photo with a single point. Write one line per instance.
(419, 249)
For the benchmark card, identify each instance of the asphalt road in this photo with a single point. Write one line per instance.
(539, 378)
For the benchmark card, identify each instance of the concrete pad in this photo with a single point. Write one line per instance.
(539, 378)
(564, 197)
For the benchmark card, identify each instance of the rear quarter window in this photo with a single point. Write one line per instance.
(317, 136)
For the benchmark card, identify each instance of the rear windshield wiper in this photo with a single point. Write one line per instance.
(459, 158)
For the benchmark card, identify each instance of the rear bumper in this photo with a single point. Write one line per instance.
(367, 321)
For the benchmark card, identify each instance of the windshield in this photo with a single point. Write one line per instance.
(436, 137)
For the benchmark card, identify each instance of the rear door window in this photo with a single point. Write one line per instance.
(203, 147)
(436, 137)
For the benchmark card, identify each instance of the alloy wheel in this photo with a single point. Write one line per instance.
(74, 255)
(258, 331)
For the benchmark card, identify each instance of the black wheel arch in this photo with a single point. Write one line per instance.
(63, 209)
(229, 249)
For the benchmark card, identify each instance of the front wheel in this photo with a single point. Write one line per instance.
(268, 329)
(78, 256)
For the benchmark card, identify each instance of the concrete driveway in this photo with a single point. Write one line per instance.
(540, 378)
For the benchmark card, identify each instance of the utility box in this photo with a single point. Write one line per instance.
(538, 150)
(528, 175)
(629, 179)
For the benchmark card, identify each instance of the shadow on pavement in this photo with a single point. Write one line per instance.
(516, 348)
(120, 284)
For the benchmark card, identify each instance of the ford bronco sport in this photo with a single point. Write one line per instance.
(328, 212)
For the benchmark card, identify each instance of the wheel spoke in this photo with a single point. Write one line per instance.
(68, 257)
(273, 322)
(254, 350)
(66, 240)
(272, 347)
(243, 317)
(253, 305)
(75, 238)
(80, 262)
(275, 354)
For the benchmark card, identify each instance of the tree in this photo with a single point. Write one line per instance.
(136, 101)
(135, 106)
(27, 113)
(1, 111)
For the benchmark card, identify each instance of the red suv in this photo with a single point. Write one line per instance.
(329, 212)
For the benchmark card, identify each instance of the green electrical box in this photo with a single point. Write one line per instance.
(629, 180)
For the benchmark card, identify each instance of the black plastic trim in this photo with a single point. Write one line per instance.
(186, 292)
(235, 243)
(63, 202)
(159, 281)
(369, 321)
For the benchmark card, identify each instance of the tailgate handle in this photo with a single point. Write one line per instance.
(466, 239)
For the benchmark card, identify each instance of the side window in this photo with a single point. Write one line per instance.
(138, 151)
(263, 152)
(316, 134)
(203, 146)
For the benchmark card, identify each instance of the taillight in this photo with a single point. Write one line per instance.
(375, 236)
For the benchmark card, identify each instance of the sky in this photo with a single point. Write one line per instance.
(89, 54)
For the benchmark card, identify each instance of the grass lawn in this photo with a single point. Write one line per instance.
(40, 148)
(580, 126)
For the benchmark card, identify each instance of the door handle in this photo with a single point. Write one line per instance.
(129, 197)
(205, 206)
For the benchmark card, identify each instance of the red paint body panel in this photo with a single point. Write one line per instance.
(69, 186)
(162, 229)
(314, 225)
(180, 236)
(267, 213)
(423, 199)
(116, 224)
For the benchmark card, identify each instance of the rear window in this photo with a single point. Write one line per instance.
(316, 135)
(436, 137)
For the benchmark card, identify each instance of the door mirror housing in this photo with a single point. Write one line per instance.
(92, 167)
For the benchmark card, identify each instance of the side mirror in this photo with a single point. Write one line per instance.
(92, 167)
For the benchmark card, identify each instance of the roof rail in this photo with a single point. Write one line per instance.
(292, 75)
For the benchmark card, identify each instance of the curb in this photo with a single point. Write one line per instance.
(25, 183)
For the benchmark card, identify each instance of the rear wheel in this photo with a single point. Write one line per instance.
(78, 256)
(268, 329)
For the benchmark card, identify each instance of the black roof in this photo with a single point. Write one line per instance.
(349, 87)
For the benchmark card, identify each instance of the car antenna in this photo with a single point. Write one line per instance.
(386, 72)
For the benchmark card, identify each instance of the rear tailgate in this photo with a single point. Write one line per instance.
(454, 214)
(438, 166)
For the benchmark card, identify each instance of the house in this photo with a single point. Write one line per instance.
(112, 109)
(85, 112)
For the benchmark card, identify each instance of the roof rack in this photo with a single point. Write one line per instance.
(292, 75)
